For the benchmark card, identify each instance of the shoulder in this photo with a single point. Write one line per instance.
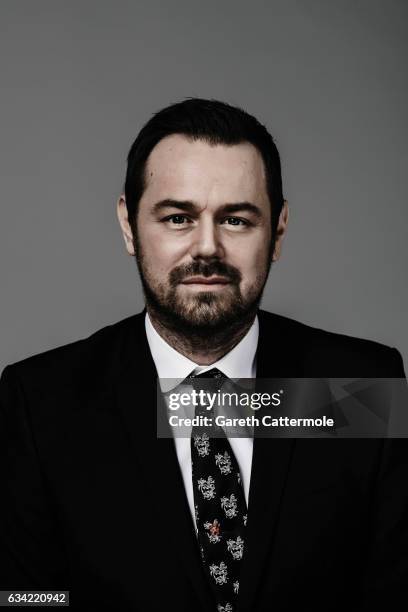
(331, 351)
(98, 354)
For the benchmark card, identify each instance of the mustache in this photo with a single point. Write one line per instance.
(199, 268)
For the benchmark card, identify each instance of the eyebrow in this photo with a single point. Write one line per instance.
(192, 207)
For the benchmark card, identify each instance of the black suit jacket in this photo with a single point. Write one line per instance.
(93, 503)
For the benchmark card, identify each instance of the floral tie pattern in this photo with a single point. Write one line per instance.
(221, 510)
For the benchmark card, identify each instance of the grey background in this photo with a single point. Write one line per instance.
(80, 78)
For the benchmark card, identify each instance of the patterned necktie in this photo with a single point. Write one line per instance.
(220, 506)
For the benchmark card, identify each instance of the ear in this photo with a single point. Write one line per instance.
(281, 230)
(122, 213)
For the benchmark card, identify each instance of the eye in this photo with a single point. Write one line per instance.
(175, 219)
(236, 221)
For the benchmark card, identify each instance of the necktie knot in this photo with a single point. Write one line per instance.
(205, 383)
(213, 373)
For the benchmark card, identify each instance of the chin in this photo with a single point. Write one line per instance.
(207, 311)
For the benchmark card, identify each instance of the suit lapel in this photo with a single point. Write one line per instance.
(136, 402)
(270, 467)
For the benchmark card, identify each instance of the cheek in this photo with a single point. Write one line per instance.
(252, 257)
(253, 275)
(160, 255)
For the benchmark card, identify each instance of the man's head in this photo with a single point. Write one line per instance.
(203, 204)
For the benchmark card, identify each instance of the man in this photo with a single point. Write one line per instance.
(94, 503)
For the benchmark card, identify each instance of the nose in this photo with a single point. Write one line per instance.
(206, 240)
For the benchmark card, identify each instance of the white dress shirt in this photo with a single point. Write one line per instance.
(240, 362)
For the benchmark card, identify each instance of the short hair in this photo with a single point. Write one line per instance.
(214, 122)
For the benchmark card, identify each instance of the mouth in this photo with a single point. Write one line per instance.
(202, 280)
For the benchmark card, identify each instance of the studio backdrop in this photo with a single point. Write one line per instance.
(79, 79)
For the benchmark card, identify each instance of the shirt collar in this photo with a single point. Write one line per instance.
(239, 362)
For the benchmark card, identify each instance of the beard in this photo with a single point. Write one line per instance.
(202, 314)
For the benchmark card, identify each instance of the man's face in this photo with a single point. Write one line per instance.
(203, 232)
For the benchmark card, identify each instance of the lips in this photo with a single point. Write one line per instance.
(202, 280)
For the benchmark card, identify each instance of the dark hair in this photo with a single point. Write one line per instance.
(210, 120)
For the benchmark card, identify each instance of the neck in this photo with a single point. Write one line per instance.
(198, 348)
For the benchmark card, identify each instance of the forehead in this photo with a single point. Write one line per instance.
(181, 168)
